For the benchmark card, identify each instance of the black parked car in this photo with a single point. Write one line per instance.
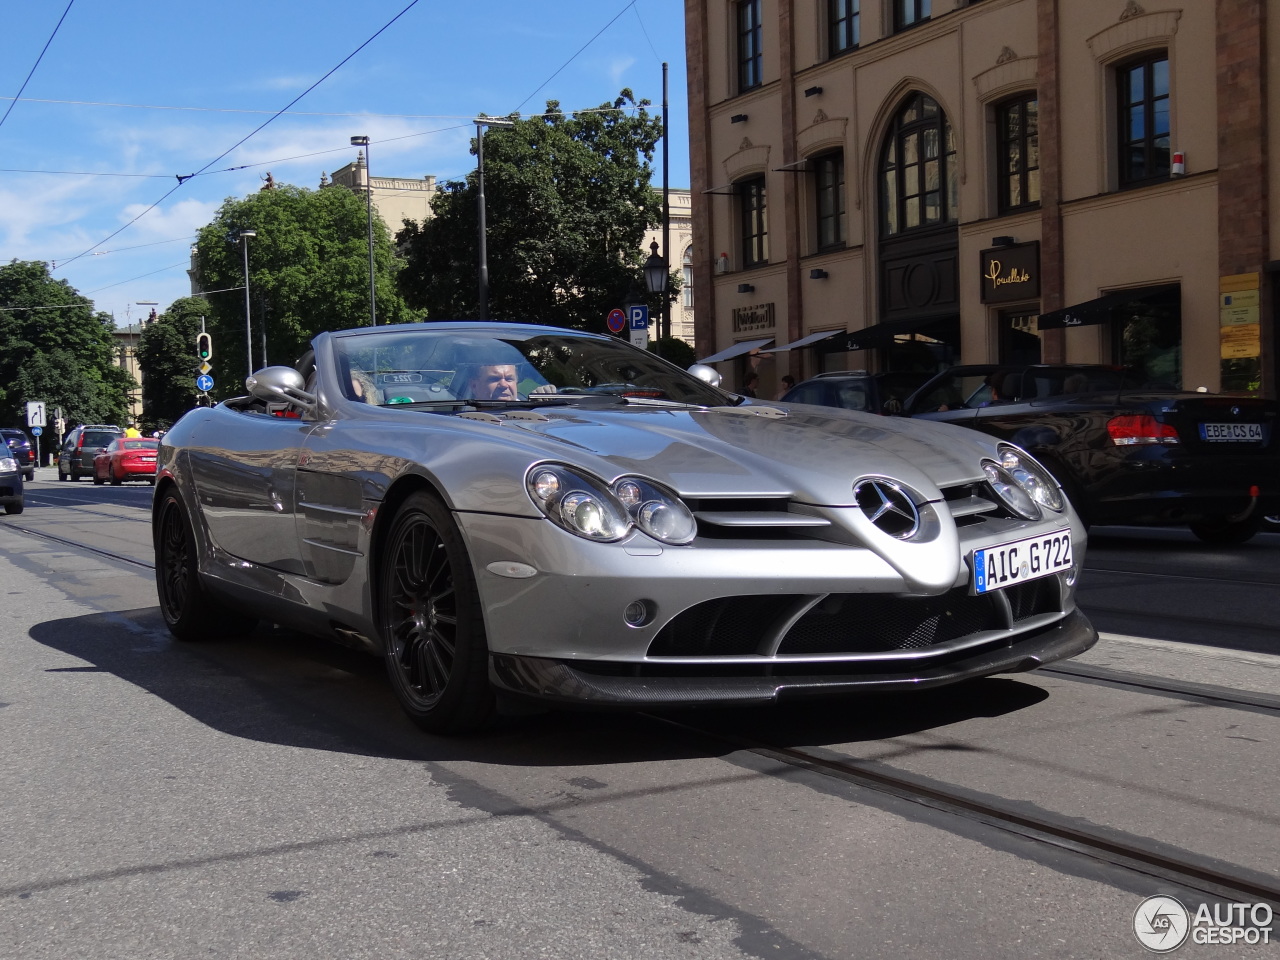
(1125, 449)
(75, 459)
(10, 482)
(856, 390)
(20, 447)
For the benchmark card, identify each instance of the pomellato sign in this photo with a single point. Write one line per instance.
(1011, 274)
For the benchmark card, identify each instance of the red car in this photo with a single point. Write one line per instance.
(126, 459)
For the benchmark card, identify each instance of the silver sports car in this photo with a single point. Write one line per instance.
(500, 509)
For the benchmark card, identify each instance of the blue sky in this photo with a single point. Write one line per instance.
(137, 94)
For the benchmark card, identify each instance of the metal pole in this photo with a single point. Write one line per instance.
(664, 322)
(248, 330)
(484, 253)
(368, 202)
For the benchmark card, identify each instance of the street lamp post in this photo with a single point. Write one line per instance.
(248, 329)
(658, 279)
(368, 203)
(481, 123)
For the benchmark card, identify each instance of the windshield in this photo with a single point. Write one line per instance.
(492, 368)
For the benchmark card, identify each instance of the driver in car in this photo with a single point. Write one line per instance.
(494, 381)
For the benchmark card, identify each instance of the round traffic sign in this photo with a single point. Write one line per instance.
(617, 320)
(204, 383)
(36, 431)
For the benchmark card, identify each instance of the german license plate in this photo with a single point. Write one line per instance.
(995, 568)
(1237, 432)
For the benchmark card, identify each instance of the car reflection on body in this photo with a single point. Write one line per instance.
(1126, 449)
(128, 458)
(617, 532)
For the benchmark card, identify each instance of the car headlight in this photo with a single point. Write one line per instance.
(581, 504)
(1009, 492)
(1031, 477)
(658, 512)
(588, 507)
(8, 463)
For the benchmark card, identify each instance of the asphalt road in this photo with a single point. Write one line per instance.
(263, 796)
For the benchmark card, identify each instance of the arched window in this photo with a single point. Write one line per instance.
(686, 288)
(918, 169)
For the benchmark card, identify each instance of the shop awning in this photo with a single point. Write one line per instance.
(883, 334)
(737, 350)
(1098, 310)
(805, 341)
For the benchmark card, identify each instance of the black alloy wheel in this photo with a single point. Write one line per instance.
(187, 609)
(1223, 532)
(432, 625)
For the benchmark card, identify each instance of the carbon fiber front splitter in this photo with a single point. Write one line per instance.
(558, 681)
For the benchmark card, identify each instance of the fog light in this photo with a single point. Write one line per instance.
(637, 613)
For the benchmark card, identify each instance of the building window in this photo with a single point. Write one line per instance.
(918, 185)
(749, 50)
(1143, 92)
(907, 13)
(686, 288)
(828, 183)
(753, 221)
(1018, 150)
(844, 25)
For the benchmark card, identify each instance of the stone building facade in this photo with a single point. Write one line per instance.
(907, 184)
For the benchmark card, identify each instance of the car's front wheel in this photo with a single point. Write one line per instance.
(187, 609)
(1224, 532)
(431, 621)
(13, 508)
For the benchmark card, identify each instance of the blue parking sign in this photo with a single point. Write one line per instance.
(638, 313)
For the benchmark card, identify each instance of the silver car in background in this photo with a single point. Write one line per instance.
(537, 512)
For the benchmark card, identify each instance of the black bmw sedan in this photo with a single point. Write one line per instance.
(1127, 450)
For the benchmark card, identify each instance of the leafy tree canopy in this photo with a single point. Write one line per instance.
(63, 356)
(567, 201)
(308, 272)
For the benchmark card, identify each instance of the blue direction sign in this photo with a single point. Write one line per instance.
(617, 320)
(204, 383)
(36, 431)
(639, 316)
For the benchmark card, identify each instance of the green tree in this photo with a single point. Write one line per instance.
(308, 272)
(567, 201)
(167, 358)
(56, 349)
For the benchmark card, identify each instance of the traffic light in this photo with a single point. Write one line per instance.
(204, 347)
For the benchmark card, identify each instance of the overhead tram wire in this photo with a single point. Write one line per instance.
(37, 63)
(629, 5)
(258, 129)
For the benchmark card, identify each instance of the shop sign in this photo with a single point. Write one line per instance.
(1240, 341)
(751, 319)
(1011, 274)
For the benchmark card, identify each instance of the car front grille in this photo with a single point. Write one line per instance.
(779, 518)
(849, 623)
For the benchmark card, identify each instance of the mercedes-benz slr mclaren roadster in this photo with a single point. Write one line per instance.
(537, 512)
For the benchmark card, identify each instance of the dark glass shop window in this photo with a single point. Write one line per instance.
(753, 221)
(844, 25)
(828, 181)
(750, 58)
(907, 13)
(1142, 87)
(1018, 153)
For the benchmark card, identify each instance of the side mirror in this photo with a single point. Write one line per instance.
(281, 383)
(705, 373)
